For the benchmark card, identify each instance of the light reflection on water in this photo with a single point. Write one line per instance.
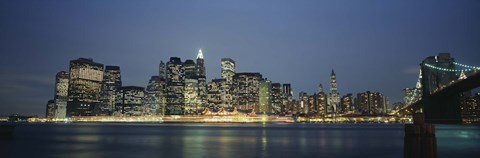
(228, 140)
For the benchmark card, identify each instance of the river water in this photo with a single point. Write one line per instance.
(89, 140)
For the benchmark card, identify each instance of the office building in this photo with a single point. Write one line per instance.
(130, 101)
(84, 87)
(192, 100)
(175, 84)
(112, 81)
(202, 79)
(265, 100)
(50, 109)
(61, 94)
(247, 88)
(334, 96)
(276, 98)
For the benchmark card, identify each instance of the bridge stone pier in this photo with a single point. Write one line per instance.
(419, 140)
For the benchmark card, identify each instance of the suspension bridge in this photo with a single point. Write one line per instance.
(441, 84)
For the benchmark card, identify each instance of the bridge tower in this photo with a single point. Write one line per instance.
(439, 108)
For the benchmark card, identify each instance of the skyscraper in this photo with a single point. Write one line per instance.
(50, 109)
(265, 100)
(346, 104)
(321, 101)
(216, 93)
(228, 69)
(227, 73)
(247, 87)
(130, 101)
(334, 96)
(371, 103)
(152, 96)
(276, 98)
(202, 79)
(287, 96)
(175, 87)
(190, 69)
(303, 99)
(192, 100)
(61, 94)
(162, 70)
(84, 87)
(112, 81)
(162, 100)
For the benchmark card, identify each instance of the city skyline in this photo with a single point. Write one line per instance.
(285, 47)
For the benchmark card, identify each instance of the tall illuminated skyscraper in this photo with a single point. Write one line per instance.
(321, 101)
(371, 103)
(152, 96)
(84, 87)
(265, 100)
(190, 69)
(112, 81)
(227, 73)
(287, 96)
(162, 96)
(61, 94)
(216, 90)
(50, 111)
(303, 99)
(130, 101)
(276, 98)
(228, 69)
(247, 87)
(202, 79)
(334, 96)
(346, 104)
(175, 83)
(192, 102)
(162, 70)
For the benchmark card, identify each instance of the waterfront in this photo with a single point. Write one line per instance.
(228, 140)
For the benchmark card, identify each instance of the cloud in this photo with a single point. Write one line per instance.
(24, 93)
(412, 70)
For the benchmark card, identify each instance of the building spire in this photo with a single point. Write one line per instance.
(419, 82)
(333, 73)
(200, 54)
(462, 76)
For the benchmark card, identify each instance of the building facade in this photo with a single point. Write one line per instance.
(175, 84)
(247, 88)
(192, 100)
(202, 79)
(112, 81)
(287, 96)
(84, 87)
(50, 109)
(130, 101)
(334, 96)
(346, 104)
(152, 97)
(228, 69)
(265, 100)
(321, 101)
(371, 103)
(61, 94)
(276, 98)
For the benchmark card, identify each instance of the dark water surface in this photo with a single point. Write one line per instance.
(228, 140)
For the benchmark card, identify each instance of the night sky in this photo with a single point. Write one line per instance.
(372, 45)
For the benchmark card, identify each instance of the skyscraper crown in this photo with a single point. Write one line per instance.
(200, 54)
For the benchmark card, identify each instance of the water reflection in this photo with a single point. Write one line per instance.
(226, 140)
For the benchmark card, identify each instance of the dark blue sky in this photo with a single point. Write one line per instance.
(372, 45)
